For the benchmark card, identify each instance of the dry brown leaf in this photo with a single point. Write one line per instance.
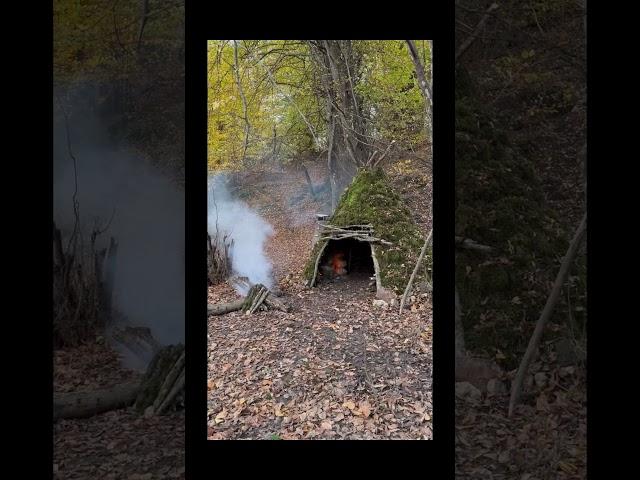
(221, 416)
(349, 404)
(365, 409)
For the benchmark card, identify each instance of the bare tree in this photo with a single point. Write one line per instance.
(247, 125)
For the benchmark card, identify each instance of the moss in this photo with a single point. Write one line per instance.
(371, 199)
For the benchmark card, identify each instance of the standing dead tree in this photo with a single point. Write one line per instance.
(83, 275)
(218, 259)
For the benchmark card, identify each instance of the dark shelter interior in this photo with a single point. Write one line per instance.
(347, 258)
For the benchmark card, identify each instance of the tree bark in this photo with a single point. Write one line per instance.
(425, 87)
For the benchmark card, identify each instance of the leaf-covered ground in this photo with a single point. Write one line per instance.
(545, 438)
(114, 445)
(528, 70)
(335, 367)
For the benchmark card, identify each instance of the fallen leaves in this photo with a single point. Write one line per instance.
(310, 374)
(220, 417)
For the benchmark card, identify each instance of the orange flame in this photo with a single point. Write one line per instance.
(338, 263)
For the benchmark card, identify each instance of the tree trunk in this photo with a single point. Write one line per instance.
(348, 142)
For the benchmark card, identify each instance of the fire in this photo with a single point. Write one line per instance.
(338, 263)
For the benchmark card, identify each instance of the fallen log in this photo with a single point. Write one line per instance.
(276, 304)
(87, 404)
(222, 308)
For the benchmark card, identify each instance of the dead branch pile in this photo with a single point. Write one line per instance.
(82, 286)
(218, 259)
(163, 384)
(259, 297)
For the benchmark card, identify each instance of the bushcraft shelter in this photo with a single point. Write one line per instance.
(371, 231)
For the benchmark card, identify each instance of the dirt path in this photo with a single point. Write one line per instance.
(335, 367)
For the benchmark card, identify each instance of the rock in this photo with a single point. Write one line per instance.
(566, 371)
(466, 390)
(477, 371)
(540, 379)
(385, 294)
(380, 303)
(496, 387)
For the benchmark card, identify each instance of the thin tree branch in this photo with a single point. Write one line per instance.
(554, 296)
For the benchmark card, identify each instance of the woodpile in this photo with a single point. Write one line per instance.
(259, 297)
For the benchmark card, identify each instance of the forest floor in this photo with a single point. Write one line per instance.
(530, 72)
(335, 367)
(114, 445)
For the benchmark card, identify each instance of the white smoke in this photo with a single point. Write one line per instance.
(147, 211)
(248, 230)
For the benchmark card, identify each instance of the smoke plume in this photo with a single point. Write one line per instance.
(248, 230)
(147, 220)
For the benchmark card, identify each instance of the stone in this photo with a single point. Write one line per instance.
(540, 379)
(466, 390)
(380, 303)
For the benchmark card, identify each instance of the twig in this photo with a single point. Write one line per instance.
(415, 270)
(467, 43)
(546, 313)
(377, 162)
(469, 244)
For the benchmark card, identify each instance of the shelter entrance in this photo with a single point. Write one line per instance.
(348, 258)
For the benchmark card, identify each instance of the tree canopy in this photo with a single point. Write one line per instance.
(275, 100)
